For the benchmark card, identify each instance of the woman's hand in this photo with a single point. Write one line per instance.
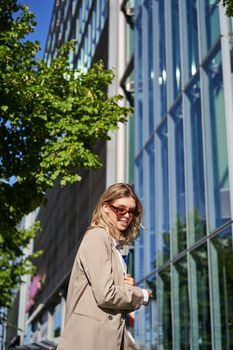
(150, 294)
(128, 280)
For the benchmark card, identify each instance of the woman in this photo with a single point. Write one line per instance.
(100, 293)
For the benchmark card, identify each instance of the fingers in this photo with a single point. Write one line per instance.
(128, 280)
(150, 294)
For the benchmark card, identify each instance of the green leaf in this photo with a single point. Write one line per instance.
(4, 108)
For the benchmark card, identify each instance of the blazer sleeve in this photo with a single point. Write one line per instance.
(95, 257)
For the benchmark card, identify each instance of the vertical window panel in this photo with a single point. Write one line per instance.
(192, 36)
(150, 184)
(131, 124)
(176, 49)
(197, 205)
(162, 224)
(180, 301)
(152, 317)
(222, 288)
(216, 147)
(140, 241)
(164, 310)
(149, 66)
(57, 320)
(211, 22)
(178, 213)
(138, 88)
(162, 78)
(200, 302)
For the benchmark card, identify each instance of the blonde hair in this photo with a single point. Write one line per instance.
(101, 219)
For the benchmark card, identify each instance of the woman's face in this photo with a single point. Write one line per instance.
(121, 212)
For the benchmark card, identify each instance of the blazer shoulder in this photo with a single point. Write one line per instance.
(94, 234)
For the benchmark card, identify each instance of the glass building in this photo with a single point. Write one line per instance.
(173, 60)
(183, 173)
(83, 21)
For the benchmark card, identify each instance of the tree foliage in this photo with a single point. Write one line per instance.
(50, 120)
(228, 4)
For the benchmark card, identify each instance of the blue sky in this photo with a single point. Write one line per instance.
(42, 10)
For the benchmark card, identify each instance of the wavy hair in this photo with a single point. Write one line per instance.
(101, 219)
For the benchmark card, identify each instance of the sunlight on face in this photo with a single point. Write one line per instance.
(121, 221)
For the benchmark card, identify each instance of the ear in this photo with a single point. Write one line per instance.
(106, 208)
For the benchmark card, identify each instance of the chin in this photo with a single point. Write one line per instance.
(122, 228)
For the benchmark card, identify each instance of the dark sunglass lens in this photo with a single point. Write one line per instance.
(122, 211)
(134, 212)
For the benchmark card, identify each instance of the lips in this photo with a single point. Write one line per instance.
(124, 222)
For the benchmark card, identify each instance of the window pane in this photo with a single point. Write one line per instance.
(153, 313)
(196, 211)
(192, 36)
(162, 222)
(217, 170)
(162, 60)
(57, 321)
(181, 306)
(138, 88)
(200, 308)
(176, 48)
(178, 224)
(222, 292)
(149, 57)
(165, 313)
(212, 22)
(150, 220)
(139, 263)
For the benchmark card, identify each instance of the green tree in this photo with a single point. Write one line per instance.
(229, 7)
(50, 120)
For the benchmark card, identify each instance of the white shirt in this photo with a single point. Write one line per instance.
(124, 269)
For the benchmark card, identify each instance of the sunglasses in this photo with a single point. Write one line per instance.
(121, 211)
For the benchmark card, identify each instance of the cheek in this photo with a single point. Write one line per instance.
(130, 220)
(112, 217)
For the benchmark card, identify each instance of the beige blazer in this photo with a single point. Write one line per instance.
(98, 299)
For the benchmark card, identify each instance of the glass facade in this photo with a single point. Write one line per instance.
(184, 253)
(82, 21)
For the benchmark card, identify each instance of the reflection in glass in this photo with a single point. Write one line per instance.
(131, 126)
(212, 22)
(140, 241)
(181, 306)
(200, 303)
(149, 64)
(162, 60)
(176, 48)
(152, 315)
(177, 173)
(148, 330)
(164, 310)
(57, 321)
(222, 292)
(150, 154)
(192, 36)
(145, 322)
(197, 213)
(138, 95)
(219, 209)
(163, 248)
